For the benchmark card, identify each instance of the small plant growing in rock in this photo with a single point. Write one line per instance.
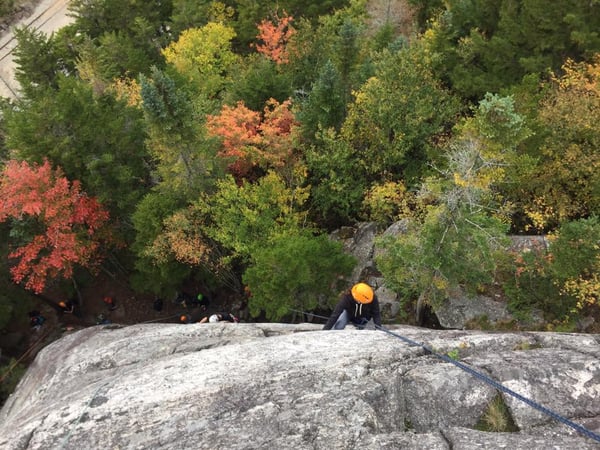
(496, 417)
(454, 354)
(526, 345)
(523, 346)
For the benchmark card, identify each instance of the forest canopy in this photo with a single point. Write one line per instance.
(226, 139)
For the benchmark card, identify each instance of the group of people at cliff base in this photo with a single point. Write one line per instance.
(199, 303)
(213, 318)
(356, 306)
(186, 300)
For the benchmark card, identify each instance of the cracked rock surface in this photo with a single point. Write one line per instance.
(278, 386)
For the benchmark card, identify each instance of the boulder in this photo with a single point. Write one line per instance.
(255, 386)
(359, 242)
(459, 309)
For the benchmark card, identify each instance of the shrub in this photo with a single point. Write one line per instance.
(295, 272)
(10, 375)
(576, 263)
(7, 7)
(496, 417)
(531, 286)
(564, 282)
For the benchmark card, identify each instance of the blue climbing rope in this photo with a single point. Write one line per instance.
(581, 429)
(308, 314)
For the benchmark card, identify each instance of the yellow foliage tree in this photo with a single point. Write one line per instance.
(204, 57)
(389, 201)
(566, 184)
(127, 89)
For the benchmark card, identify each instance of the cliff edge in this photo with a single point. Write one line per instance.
(278, 386)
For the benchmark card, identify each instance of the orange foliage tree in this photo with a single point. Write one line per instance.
(60, 225)
(275, 35)
(251, 140)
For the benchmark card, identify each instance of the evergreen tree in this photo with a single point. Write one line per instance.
(462, 234)
(489, 45)
(337, 178)
(95, 139)
(251, 12)
(258, 79)
(14, 300)
(197, 13)
(40, 59)
(159, 275)
(325, 106)
(128, 33)
(339, 39)
(295, 272)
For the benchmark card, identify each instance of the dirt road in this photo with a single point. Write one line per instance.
(48, 16)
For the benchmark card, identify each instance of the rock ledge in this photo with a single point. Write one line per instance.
(254, 386)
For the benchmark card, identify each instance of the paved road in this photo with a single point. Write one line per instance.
(48, 16)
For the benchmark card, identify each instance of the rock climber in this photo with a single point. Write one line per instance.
(220, 317)
(194, 317)
(202, 301)
(110, 303)
(36, 320)
(357, 305)
(66, 307)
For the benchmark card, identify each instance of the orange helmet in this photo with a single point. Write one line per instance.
(183, 318)
(362, 293)
(62, 304)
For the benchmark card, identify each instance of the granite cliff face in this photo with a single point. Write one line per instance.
(277, 386)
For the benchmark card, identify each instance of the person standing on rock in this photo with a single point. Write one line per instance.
(36, 320)
(67, 307)
(110, 303)
(194, 317)
(202, 301)
(357, 305)
(220, 317)
(157, 305)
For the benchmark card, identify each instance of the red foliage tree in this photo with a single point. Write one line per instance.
(250, 139)
(62, 224)
(275, 36)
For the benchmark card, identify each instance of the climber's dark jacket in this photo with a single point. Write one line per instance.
(355, 310)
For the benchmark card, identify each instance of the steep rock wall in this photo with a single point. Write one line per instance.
(254, 386)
